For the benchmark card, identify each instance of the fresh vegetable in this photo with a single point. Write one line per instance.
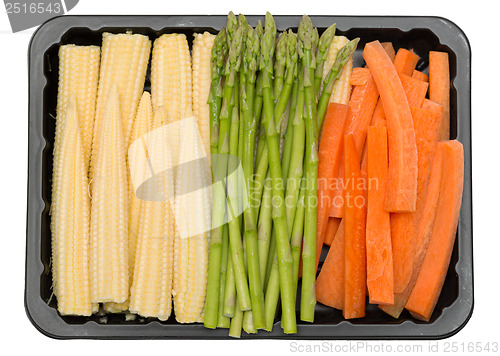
(355, 234)
(70, 214)
(415, 90)
(427, 123)
(360, 76)
(405, 61)
(425, 294)
(342, 86)
(109, 280)
(361, 106)
(401, 191)
(331, 230)
(330, 282)
(330, 150)
(420, 76)
(379, 265)
(439, 88)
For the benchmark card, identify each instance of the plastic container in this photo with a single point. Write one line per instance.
(421, 34)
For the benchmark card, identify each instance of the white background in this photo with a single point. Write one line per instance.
(478, 19)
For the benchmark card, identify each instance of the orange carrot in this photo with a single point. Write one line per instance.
(439, 88)
(415, 90)
(425, 294)
(420, 76)
(329, 155)
(331, 230)
(389, 49)
(405, 61)
(359, 76)
(432, 105)
(361, 106)
(379, 266)
(403, 225)
(429, 172)
(330, 282)
(401, 194)
(355, 233)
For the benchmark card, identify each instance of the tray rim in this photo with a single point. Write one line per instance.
(41, 315)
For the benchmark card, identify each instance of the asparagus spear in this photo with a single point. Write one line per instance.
(235, 244)
(297, 233)
(249, 132)
(216, 274)
(342, 57)
(219, 52)
(324, 43)
(308, 299)
(223, 321)
(280, 63)
(278, 211)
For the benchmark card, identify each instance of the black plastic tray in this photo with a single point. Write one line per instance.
(422, 34)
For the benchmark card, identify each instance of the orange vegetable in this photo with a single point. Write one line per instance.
(405, 61)
(379, 266)
(389, 49)
(429, 172)
(420, 76)
(331, 230)
(415, 90)
(329, 155)
(401, 194)
(425, 294)
(361, 106)
(432, 105)
(330, 282)
(359, 76)
(439, 88)
(355, 234)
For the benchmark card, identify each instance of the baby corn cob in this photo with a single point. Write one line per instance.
(171, 84)
(78, 76)
(151, 292)
(142, 124)
(191, 250)
(70, 217)
(109, 223)
(124, 62)
(342, 86)
(202, 54)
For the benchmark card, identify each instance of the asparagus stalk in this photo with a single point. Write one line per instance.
(279, 218)
(264, 229)
(308, 298)
(229, 301)
(280, 63)
(249, 133)
(236, 323)
(223, 321)
(324, 43)
(218, 142)
(297, 234)
(219, 53)
(340, 61)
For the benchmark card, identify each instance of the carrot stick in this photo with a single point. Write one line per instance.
(329, 155)
(355, 233)
(360, 76)
(379, 266)
(425, 294)
(439, 88)
(405, 61)
(401, 194)
(389, 49)
(330, 281)
(432, 105)
(420, 76)
(415, 90)
(361, 106)
(331, 230)
(429, 172)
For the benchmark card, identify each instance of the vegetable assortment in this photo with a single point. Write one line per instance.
(304, 151)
